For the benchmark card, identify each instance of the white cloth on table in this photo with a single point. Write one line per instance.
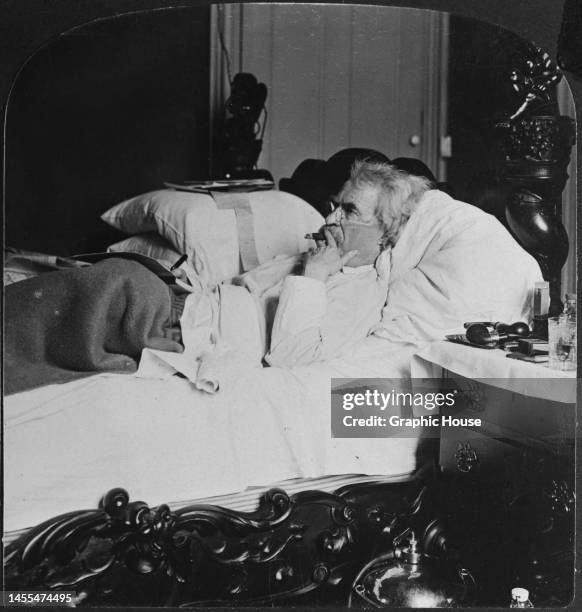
(531, 379)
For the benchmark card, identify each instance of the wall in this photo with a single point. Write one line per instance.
(106, 111)
(343, 76)
(26, 25)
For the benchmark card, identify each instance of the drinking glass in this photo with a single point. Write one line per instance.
(561, 343)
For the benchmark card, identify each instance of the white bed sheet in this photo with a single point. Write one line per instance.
(166, 441)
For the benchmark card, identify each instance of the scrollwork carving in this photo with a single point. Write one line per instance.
(283, 572)
(542, 139)
(127, 553)
(536, 143)
(320, 573)
(335, 541)
(343, 515)
(562, 498)
(466, 457)
(533, 78)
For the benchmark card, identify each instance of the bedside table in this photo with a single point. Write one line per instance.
(526, 410)
(509, 481)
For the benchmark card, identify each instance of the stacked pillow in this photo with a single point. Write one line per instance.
(166, 224)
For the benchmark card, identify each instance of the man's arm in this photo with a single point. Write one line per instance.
(308, 326)
(297, 336)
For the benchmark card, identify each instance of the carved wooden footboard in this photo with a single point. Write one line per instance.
(126, 553)
(310, 548)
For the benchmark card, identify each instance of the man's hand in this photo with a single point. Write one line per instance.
(335, 230)
(326, 259)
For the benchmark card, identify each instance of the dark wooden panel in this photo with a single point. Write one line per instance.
(104, 112)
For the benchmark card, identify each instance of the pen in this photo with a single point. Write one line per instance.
(178, 263)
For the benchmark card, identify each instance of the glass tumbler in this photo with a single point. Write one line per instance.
(561, 343)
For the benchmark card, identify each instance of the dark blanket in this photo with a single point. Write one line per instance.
(67, 324)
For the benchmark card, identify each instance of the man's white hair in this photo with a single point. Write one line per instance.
(400, 192)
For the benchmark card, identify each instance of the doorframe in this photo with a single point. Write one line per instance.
(437, 142)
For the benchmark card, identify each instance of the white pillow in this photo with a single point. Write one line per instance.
(156, 247)
(193, 224)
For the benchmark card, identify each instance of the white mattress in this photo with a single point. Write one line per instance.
(165, 441)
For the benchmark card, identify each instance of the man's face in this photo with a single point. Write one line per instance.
(354, 224)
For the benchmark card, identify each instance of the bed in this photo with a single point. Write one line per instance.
(134, 489)
(163, 439)
(218, 479)
(240, 426)
(160, 436)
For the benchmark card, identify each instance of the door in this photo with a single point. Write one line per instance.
(338, 76)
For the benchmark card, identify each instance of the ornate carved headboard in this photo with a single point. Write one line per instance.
(536, 142)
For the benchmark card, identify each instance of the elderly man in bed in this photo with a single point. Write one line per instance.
(400, 261)
(444, 262)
